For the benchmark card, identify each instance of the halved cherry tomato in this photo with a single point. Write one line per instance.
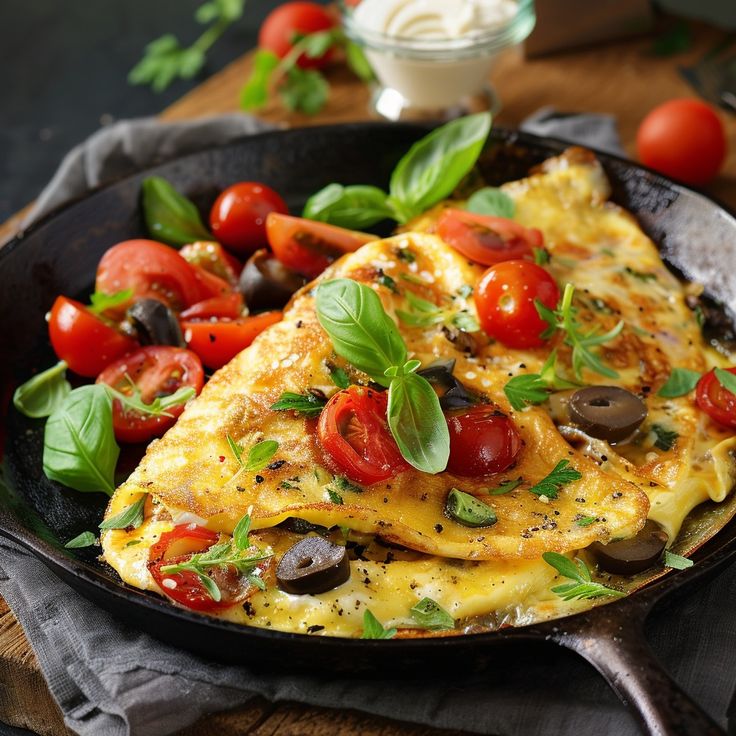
(212, 257)
(715, 400)
(238, 216)
(487, 240)
(156, 370)
(211, 286)
(152, 270)
(354, 433)
(309, 247)
(177, 546)
(505, 302)
(483, 441)
(229, 306)
(83, 340)
(219, 342)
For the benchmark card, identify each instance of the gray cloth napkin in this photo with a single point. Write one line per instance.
(112, 680)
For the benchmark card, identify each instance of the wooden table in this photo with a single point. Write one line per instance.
(622, 78)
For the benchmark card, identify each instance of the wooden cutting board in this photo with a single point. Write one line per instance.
(622, 79)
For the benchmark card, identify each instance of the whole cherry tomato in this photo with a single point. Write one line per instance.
(716, 400)
(505, 302)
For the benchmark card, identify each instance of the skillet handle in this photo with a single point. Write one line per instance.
(611, 638)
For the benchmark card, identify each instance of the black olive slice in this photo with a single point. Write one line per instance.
(607, 412)
(452, 393)
(629, 556)
(266, 283)
(155, 323)
(313, 565)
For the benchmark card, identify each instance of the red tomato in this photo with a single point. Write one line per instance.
(238, 216)
(219, 342)
(83, 340)
(211, 286)
(185, 588)
(684, 139)
(156, 370)
(483, 441)
(309, 247)
(152, 270)
(289, 21)
(715, 400)
(354, 433)
(229, 306)
(487, 240)
(505, 302)
(212, 257)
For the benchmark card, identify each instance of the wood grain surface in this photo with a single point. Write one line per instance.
(623, 79)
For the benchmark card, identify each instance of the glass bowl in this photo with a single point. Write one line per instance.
(435, 78)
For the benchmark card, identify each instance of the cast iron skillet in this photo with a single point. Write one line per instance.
(59, 255)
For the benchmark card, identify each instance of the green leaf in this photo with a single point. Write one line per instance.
(468, 510)
(558, 477)
(307, 404)
(385, 280)
(345, 485)
(158, 407)
(676, 562)
(417, 423)
(355, 207)
(335, 497)
(641, 275)
(373, 629)
(236, 449)
(465, 321)
(357, 62)
(541, 256)
(79, 443)
(360, 330)
(225, 10)
(85, 539)
(430, 615)
(100, 302)
(43, 394)
(528, 388)
(260, 455)
(170, 216)
(681, 381)
(586, 521)
(254, 93)
(491, 201)
(506, 487)
(564, 565)
(436, 164)
(339, 377)
(583, 587)
(210, 586)
(726, 379)
(319, 43)
(305, 90)
(664, 438)
(241, 532)
(131, 516)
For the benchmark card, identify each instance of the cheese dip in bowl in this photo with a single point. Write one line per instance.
(432, 58)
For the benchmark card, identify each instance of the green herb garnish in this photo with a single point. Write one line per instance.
(385, 280)
(425, 314)
(676, 562)
(339, 377)
(491, 201)
(583, 587)
(541, 256)
(41, 395)
(373, 629)
(258, 456)
(335, 497)
(354, 207)
(130, 517)
(430, 615)
(665, 438)
(158, 407)
(681, 381)
(307, 404)
(169, 215)
(641, 275)
(726, 379)
(586, 521)
(100, 302)
(534, 388)
(85, 539)
(560, 475)
(506, 487)
(468, 510)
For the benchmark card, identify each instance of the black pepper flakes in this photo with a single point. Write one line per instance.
(314, 629)
(277, 464)
(439, 528)
(259, 479)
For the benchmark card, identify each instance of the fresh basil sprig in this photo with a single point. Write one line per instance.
(79, 443)
(41, 395)
(169, 215)
(681, 381)
(363, 334)
(307, 404)
(491, 201)
(429, 172)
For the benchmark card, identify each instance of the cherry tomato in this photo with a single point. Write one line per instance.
(156, 370)
(83, 340)
(505, 302)
(684, 139)
(290, 21)
(211, 286)
(483, 441)
(354, 433)
(309, 247)
(177, 546)
(152, 270)
(487, 240)
(715, 400)
(238, 216)
(219, 342)
(228, 306)
(212, 257)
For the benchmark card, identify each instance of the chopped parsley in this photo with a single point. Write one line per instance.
(338, 376)
(586, 521)
(558, 477)
(335, 497)
(385, 280)
(665, 438)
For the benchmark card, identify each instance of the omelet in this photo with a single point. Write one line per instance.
(404, 546)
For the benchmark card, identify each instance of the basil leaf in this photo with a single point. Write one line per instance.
(681, 381)
(468, 510)
(254, 93)
(436, 164)
(491, 201)
(131, 516)
(417, 423)
(360, 330)
(85, 539)
(259, 455)
(726, 379)
(44, 393)
(430, 615)
(373, 629)
(79, 444)
(307, 404)
(664, 438)
(170, 216)
(339, 377)
(357, 61)
(99, 301)
(676, 562)
(354, 207)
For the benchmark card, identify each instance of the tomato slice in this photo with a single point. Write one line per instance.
(177, 546)
(212, 257)
(152, 270)
(211, 286)
(715, 400)
(505, 302)
(219, 342)
(354, 433)
(84, 340)
(229, 306)
(309, 247)
(156, 370)
(483, 441)
(487, 240)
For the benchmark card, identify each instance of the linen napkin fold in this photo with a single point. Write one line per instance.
(112, 680)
